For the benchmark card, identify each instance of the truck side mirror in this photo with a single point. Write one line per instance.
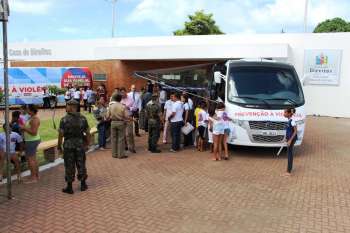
(218, 76)
(304, 81)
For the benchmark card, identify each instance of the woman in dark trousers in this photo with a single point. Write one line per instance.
(188, 119)
(291, 137)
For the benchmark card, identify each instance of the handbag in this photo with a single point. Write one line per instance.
(188, 128)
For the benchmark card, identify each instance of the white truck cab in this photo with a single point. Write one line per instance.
(256, 94)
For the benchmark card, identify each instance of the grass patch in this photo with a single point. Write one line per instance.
(47, 131)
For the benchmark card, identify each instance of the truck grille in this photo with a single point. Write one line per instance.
(267, 125)
(261, 138)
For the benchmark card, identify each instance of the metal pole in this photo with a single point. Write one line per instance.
(306, 15)
(113, 16)
(7, 110)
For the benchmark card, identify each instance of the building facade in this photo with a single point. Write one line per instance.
(321, 60)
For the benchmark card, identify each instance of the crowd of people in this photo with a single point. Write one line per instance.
(24, 141)
(177, 119)
(84, 95)
(183, 121)
(173, 117)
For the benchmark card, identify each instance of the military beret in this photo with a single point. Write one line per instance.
(72, 102)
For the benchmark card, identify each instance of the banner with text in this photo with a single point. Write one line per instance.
(27, 84)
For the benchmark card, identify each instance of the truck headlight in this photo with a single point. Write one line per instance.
(300, 122)
(240, 123)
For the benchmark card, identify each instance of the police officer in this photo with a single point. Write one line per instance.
(153, 112)
(75, 130)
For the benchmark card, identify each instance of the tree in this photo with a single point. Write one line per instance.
(2, 96)
(333, 25)
(199, 24)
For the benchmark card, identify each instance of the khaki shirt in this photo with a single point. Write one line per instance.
(117, 112)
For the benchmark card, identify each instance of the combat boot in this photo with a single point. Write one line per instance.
(156, 151)
(68, 189)
(83, 186)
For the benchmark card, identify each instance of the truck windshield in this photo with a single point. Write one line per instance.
(264, 87)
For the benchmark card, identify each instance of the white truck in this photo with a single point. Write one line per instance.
(256, 94)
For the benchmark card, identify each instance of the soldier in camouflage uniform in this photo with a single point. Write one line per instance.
(153, 112)
(75, 130)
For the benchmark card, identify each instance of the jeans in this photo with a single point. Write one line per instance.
(46, 103)
(89, 106)
(188, 139)
(85, 105)
(290, 156)
(176, 134)
(101, 127)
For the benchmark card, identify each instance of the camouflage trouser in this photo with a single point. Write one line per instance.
(129, 132)
(74, 158)
(142, 119)
(153, 134)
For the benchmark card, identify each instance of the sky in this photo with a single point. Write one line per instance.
(47, 20)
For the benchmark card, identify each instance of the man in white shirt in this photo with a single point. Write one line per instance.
(67, 95)
(135, 96)
(168, 111)
(85, 98)
(176, 119)
(128, 103)
(162, 98)
(77, 97)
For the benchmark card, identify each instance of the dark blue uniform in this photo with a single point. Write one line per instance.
(289, 133)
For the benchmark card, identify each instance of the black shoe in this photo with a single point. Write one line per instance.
(156, 151)
(83, 186)
(133, 151)
(23, 159)
(123, 157)
(68, 189)
(138, 135)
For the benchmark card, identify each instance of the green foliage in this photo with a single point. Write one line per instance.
(56, 90)
(2, 96)
(199, 24)
(333, 25)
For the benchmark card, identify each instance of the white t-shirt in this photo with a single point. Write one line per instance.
(14, 138)
(67, 96)
(168, 109)
(190, 102)
(177, 107)
(162, 97)
(77, 94)
(203, 118)
(223, 118)
(187, 106)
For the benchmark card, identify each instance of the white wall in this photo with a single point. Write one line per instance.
(322, 100)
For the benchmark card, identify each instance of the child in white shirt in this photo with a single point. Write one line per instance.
(14, 139)
(202, 125)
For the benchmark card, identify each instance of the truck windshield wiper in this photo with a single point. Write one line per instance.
(289, 100)
(254, 98)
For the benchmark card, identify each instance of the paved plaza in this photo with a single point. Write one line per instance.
(187, 192)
